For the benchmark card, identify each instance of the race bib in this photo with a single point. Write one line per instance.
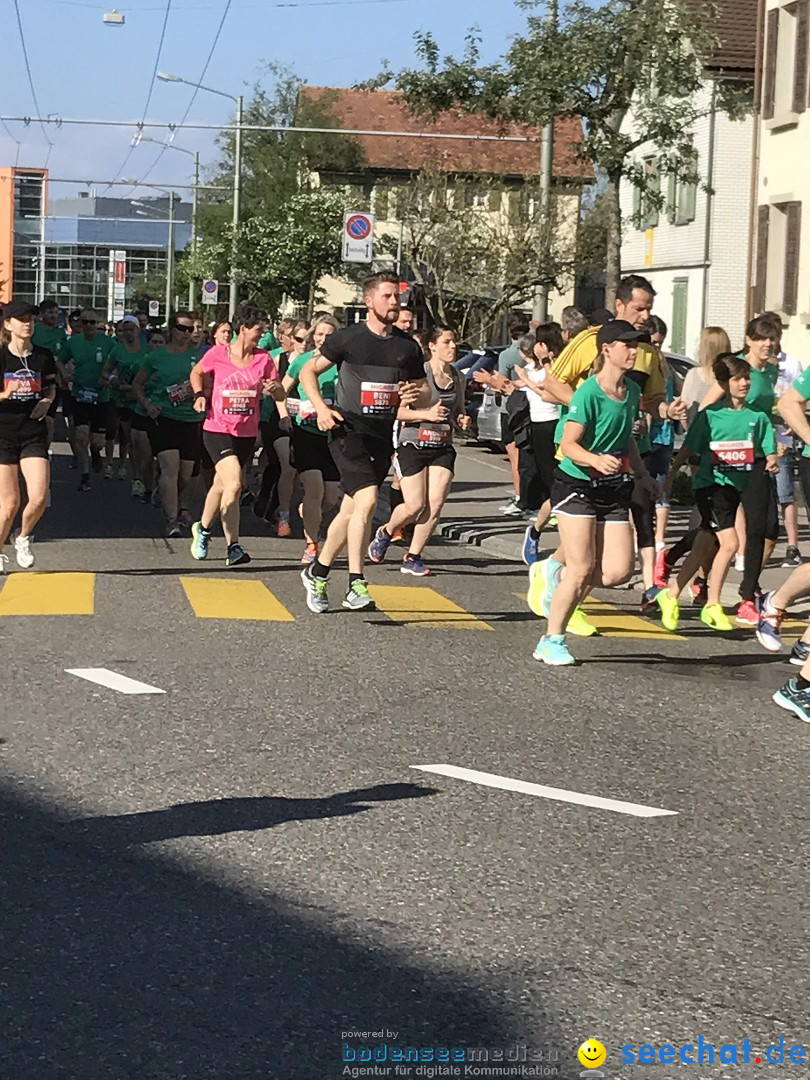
(86, 395)
(24, 385)
(435, 434)
(306, 410)
(732, 456)
(239, 402)
(179, 392)
(293, 407)
(622, 476)
(379, 399)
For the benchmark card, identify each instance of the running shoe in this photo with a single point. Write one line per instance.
(531, 546)
(23, 552)
(310, 554)
(108, 472)
(510, 509)
(739, 563)
(173, 529)
(648, 598)
(537, 587)
(552, 521)
(317, 600)
(237, 556)
(793, 698)
(553, 651)
(282, 523)
(714, 617)
(793, 557)
(747, 614)
(357, 597)
(662, 569)
(553, 575)
(800, 653)
(769, 625)
(84, 483)
(200, 539)
(379, 545)
(414, 566)
(670, 610)
(123, 472)
(580, 625)
(138, 489)
(397, 536)
(699, 588)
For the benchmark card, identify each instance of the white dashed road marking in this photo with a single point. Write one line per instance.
(113, 681)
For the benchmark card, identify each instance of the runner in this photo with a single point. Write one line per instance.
(730, 437)
(175, 435)
(379, 369)
(310, 455)
(29, 388)
(278, 432)
(242, 373)
(126, 360)
(425, 456)
(50, 335)
(593, 487)
(82, 363)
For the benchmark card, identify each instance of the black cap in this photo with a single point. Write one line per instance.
(619, 330)
(15, 309)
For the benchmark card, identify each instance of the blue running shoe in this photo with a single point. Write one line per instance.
(800, 653)
(531, 546)
(378, 546)
(236, 556)
(200, 539)
(414, 566)
(552, 650)
(793, 699)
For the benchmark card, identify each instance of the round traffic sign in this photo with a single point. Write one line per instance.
(210, 286)
(358, 227)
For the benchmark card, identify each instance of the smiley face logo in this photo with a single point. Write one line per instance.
(592, 1054)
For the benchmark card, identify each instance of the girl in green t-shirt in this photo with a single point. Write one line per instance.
(729, 437)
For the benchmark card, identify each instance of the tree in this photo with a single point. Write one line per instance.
(595, 62)
(473, 247)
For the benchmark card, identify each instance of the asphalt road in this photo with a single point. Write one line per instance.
(223, 880)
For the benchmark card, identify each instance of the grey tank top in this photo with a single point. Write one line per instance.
(428, 433)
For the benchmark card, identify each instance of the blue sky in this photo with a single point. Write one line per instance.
(84, 69)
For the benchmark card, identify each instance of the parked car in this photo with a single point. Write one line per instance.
(475, 391)
(492, 409)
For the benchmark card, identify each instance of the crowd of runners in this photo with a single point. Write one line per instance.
(182, 414)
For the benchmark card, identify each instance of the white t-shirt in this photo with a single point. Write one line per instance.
(789, 370)
(540, 411)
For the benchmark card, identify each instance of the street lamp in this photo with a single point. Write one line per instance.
(139, 138)
(166, 76)
(169, 244)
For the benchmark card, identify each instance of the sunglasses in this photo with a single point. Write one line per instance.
(184, 327)
(301, 340)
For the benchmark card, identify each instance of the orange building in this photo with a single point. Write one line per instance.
(23, 206)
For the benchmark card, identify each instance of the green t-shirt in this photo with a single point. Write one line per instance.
(608, 423)
(269, 342)
(89, 357)
(728, 442)
(762, 394)
(802, 385)
(169, 387)
(267, 408)
(50, 337)
(327, 382)
(127, 366)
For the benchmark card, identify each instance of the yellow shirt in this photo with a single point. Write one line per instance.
(577, 358)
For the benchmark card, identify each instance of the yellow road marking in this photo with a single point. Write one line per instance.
(229, 598)
(613, 622)
(48, 594)
(418, 604)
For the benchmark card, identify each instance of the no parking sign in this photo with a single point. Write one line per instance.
(210, 291)
(358, 237)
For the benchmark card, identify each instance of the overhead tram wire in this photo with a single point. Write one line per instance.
(150, 91)
(247, 7)
(161, 152)
(31, 85)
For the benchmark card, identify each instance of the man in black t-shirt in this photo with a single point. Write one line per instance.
(379, 369)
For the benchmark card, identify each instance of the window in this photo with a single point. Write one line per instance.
(680, 299)
(646, 198)
(785, 74)
(776, 285)
(682, 195)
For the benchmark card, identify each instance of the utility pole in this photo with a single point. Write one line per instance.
(170, 259)
(540, 309)
(192, 285)
(237, 200)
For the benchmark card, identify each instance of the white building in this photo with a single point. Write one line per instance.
(781, 272)
(696, 248)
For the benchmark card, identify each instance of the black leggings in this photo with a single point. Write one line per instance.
(761, 522)
(537, 464)
(642, 510)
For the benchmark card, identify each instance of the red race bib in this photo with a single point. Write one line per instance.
(732, 456)
(379, 399)
(435, 434)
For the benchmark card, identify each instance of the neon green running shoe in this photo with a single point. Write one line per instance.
(670, 610)
(580, 625)
(537, 587)
(714, 616)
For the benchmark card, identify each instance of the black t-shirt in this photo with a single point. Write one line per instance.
(30, 376)
(370, 368)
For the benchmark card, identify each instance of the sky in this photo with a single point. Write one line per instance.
(84, 69)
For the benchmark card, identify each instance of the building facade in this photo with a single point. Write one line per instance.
(695, 246)
(67, 249)
(781, 270)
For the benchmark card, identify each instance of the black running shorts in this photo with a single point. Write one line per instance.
(362, 460)
(310, 453)
(606, 502)
(412, 459)
(181, 435)
(218, 445)
(718, 506)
